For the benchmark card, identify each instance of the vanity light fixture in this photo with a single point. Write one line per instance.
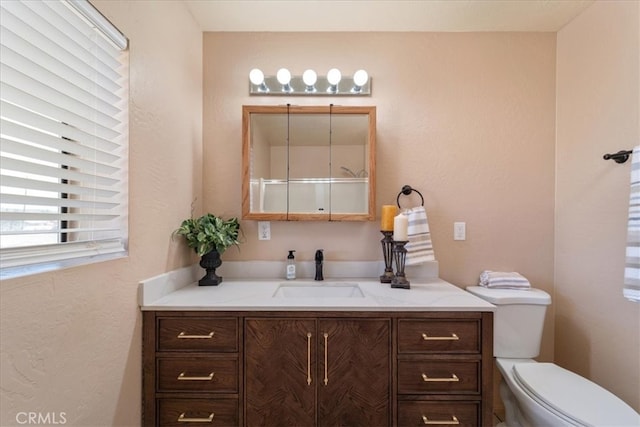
(360, 78)
(333, 77)
(309, 83)
(309, 77)
(284, 78)
(256, 76)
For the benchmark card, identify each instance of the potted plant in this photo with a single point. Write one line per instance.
(210, 236)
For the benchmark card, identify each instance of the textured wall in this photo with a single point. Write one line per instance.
(467, 119)
(70, 340)
(598, 112)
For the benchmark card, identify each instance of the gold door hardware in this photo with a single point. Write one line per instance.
(308, 358)
(184, 419)
(326, 350)
(454, 421)
(183, 377)
(183, 335)
(453, 337)
(454, 378)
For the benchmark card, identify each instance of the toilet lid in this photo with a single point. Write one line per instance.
(572, 396)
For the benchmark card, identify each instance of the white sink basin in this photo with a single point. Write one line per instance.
(318, 290)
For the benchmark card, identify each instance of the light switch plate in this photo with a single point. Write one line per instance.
(459, 231)
(264, 230)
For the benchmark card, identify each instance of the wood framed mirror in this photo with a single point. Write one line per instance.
(308, 163)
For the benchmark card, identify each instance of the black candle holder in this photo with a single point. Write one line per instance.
(387, 248)
(400, 257)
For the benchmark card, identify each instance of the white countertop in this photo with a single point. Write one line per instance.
(426, 294)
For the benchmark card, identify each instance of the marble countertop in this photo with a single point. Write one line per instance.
(235, 294)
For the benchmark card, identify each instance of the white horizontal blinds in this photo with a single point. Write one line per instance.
(63, 133)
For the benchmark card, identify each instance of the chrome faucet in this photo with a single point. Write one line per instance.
(319, 259)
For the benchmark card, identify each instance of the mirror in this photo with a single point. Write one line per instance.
(308, 163)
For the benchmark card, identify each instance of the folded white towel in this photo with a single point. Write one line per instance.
(503, 280)
(419, 248)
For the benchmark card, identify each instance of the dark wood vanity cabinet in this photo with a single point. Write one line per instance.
(325, 372)
(317, 368)
(444, 369)
(192, 369)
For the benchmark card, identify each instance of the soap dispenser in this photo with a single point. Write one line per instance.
(291, 266)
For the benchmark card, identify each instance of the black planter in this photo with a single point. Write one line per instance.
(210, 261)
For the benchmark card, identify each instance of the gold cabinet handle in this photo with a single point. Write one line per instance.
(183, 335)
(326, 350)
(454, 421)
(183, 377)
(453, 337)
(184, 419)
(454, 378)
(308, 358)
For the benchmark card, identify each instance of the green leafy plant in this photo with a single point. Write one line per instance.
(210, 232)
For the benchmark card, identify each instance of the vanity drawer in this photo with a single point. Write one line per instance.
(421, 413)
(211, 412)
(438, 376)
(206, 374)
(438, 336)
(198, 334)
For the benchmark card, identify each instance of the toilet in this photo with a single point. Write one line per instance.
(542, 394)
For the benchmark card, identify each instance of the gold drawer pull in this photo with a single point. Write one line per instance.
(454, 421)
(453, 337)
(183, 419)
(308, 358)
(183, 335)
(326, 361)
(454, 378)
(184, 377)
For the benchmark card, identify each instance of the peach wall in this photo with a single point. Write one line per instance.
(71, 340)
(474, 133)
(468, 119)
(597, 330)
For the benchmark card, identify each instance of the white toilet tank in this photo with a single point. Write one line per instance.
(518, 320)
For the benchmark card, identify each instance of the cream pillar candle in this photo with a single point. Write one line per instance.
(401, 228)
(388, 213)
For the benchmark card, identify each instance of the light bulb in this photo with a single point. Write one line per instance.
(309, 77)
(284, 76)
(360, 78)
(256, 76)
(334, 76)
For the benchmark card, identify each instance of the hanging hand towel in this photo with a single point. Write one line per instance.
(631, 289)
(419, 248)
(503, 280)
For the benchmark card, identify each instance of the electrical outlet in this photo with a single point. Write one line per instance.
(264, 230)
(459, 231)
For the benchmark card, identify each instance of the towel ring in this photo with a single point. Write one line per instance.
(406, 190)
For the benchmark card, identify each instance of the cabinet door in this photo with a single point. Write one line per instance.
(354, 370)
(280, 362)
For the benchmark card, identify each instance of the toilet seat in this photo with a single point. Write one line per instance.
(572, 397)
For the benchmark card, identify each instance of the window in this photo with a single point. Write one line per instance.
(64, 136)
